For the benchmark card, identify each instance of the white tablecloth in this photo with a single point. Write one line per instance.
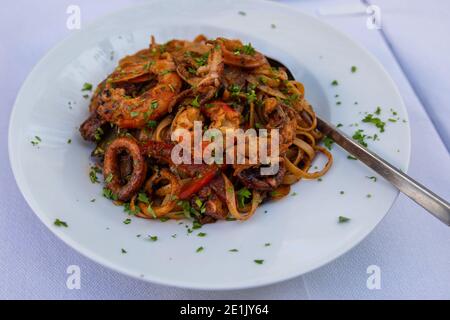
(410, 247)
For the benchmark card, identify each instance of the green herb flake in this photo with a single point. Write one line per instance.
(86, 87)
(328, 142)
(201, 234)
(273, 26)
(334, 83)
(267, 244)
(109, 178)
(349, 157)
(258, 261)
(36, 140)
(233, 250)
(123, 250)
(69, 141)
(127, 221)
(153, 238)
(376, 121)
(243, 194)
(108, 194)
(60, 223)
(199, 249)
(343, 219)
(242, 13)
(93, 174)
(373, 178)
(359, 136)
(142, 197)
(354, 69)
(195, 102)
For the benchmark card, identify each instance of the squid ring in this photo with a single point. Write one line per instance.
(111, 168)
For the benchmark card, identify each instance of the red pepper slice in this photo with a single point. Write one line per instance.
(197, 184)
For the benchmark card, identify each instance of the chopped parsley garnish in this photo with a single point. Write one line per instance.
(123, 251)
(98, 134)
(242, 13)
(201, 61)
(201, 234)
(273, 26)
(152, 123)
(153, 238)
(108, 194)
(36, 141)
(195, 102)
(392, 120)
(154, 104)
(69, 141)
(109, 178)
(327, 141)
(368, 195)
(243, 194)
(199, 249)
(127, 221)
(60, 223)
(343, 219)
(235, 90)
(151, 211)
(354, 69)
(248, 49)
(93, 174)
(351, 157)
(86, 96)
(192, 70)
(233, 250)
(142, 197)
(376, 121)
(341, 192)
(86, 87)
(359, 136)
(134, 114)
(251, 96)
(164, 72)
(267, 244)
(378, 111)
(258, 261)
(334, 83)
(339, 125)
(196, 225)
(338, 103)
(373, 178)
(127, 209)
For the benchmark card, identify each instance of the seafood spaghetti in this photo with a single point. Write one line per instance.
(221, 84)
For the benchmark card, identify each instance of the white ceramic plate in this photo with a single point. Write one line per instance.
(303, 230)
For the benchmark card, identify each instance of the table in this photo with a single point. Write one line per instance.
(409, 245)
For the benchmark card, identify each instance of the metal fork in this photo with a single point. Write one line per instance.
(434, 204)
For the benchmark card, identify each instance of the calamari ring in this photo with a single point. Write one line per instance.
(111, 168)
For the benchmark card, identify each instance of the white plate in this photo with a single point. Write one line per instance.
(303, 230)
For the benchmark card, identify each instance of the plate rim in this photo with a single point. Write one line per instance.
(93, 256)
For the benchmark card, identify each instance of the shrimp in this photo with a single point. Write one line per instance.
(222, 116)
(136, 112)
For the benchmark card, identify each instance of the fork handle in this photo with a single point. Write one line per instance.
(434, 204)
